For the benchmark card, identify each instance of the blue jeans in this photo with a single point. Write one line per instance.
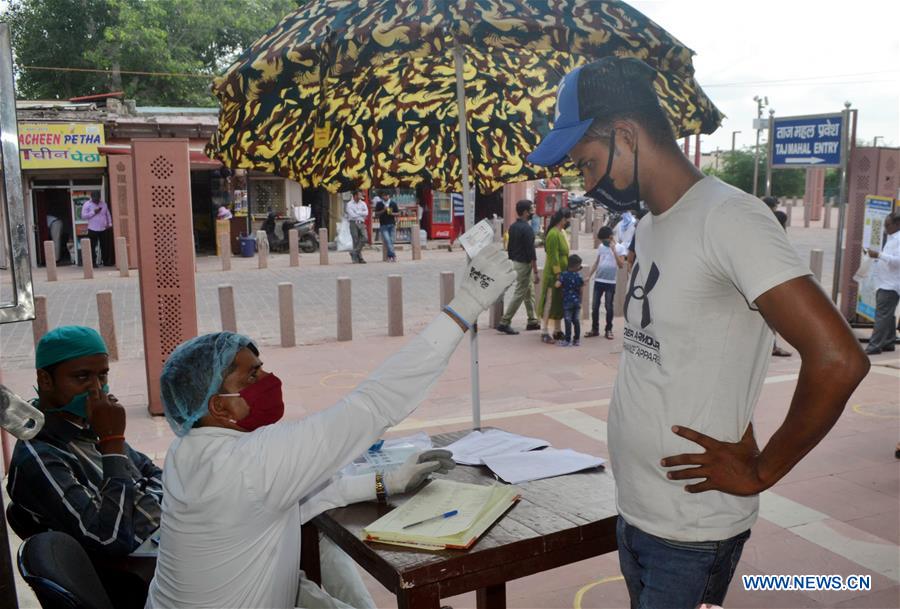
(607, 291)
(387, 239)
(572, 315)
(661, 573)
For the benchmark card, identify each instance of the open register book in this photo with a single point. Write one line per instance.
(478, 508)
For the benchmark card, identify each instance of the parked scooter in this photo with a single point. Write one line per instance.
(306, 234)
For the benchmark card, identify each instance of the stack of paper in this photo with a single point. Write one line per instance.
(477, 506)
(523, 467)
(474, 448)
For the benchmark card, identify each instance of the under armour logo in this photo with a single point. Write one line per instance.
(642, 292)
(483, 280)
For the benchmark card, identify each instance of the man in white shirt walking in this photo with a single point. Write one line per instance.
(357, 212)
(610, 258)
(887, 285)
(238, 483)
(713, 272)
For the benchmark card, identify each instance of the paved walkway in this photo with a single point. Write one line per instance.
(838, 512)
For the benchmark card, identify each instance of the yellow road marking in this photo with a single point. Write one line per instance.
(343, 385)
(576, 604)
(858, 409)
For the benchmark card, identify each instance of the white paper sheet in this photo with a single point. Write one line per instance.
(477, 238)
(523, 467)
(475, 447)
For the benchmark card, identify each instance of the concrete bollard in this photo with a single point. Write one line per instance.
(595, 228)
(588, 217)
(447, 287)
(574, 236)
(344, 310)
(497, 226)
(816, 257)
(39, 324)
(788, 211)
(395, 305)
(826, 220)
(122, 256)
(226, 308)
(294, 246)
(107, 322)
(225, 251)
(286, 314)
(384, 256)
(495, 313)
(323, 246)
(262, 247)
(416, 243)
(50, 260)
(87, 258)
(807, 214)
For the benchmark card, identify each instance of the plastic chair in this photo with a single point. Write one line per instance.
(59, 571)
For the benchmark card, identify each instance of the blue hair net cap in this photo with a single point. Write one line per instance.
(194, 373)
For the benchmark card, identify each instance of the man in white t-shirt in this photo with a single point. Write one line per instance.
(713, 271)
(610, 258)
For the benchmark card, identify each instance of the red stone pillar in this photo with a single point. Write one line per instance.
(162, 190)
(121, 192)
(814, 195)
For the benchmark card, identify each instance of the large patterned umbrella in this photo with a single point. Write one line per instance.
(360, 93)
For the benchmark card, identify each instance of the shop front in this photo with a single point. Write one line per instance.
(61, 169)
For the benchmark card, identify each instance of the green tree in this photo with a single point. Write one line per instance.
(195, 37)
(737, 170)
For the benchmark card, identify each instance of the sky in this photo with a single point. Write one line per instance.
(806, 56)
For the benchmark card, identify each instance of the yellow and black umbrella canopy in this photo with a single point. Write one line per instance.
(375, 81)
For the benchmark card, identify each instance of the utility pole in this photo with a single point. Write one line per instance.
(761, 102)
(733, 136)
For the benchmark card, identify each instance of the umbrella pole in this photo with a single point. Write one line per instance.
(469, 219)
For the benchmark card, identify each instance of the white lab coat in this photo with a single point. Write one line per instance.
(230, 529)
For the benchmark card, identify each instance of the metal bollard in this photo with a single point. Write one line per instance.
(50, 260)
(225, 251)
(107, 323)
(447, 287)
(122, 256)
(262, 246)
(323, 246)
(286, 314)
(816, 257)
(395, 305)
(416, 243)
(294, 246)
(39, 324)
(87, 258)
(226, 308)
(344, 310)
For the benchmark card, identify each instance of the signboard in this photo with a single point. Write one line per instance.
(61, 145)
(807, 141)
(458, 208)
(876, 210)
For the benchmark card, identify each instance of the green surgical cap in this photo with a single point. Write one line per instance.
(194, 373)
(67, 342)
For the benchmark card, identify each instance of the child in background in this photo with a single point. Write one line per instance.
(572, 284)
(610, 258)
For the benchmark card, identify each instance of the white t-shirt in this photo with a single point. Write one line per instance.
(233, 502)
(696, 352)
(886, 268)
(606, 263)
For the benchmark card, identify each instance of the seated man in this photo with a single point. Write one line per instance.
(78, 475)
(233, 479)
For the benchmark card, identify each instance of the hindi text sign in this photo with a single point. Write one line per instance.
(61, 145)
(807, 141)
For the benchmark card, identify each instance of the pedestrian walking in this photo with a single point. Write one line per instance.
(386, 210)
(713, 272)
(610, 258)
(886, 274)
(571, 283)
(556, 248)
(96, 212)
(520, 249)
(357, 212)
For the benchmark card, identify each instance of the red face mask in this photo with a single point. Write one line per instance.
(265, 401)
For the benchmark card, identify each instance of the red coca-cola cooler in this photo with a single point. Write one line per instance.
(548, 201)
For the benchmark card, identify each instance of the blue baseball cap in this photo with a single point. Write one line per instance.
(599, 89)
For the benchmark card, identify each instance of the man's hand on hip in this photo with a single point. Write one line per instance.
(727, 467)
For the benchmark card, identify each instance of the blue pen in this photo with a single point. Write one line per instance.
(438, 517)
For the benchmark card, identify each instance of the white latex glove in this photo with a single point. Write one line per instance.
(415, 470)
(487, 277)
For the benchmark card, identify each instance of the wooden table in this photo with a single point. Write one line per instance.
(558, 521)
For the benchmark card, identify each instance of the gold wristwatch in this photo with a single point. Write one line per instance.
(380, 491)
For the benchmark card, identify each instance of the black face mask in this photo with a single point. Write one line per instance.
(605, 191)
